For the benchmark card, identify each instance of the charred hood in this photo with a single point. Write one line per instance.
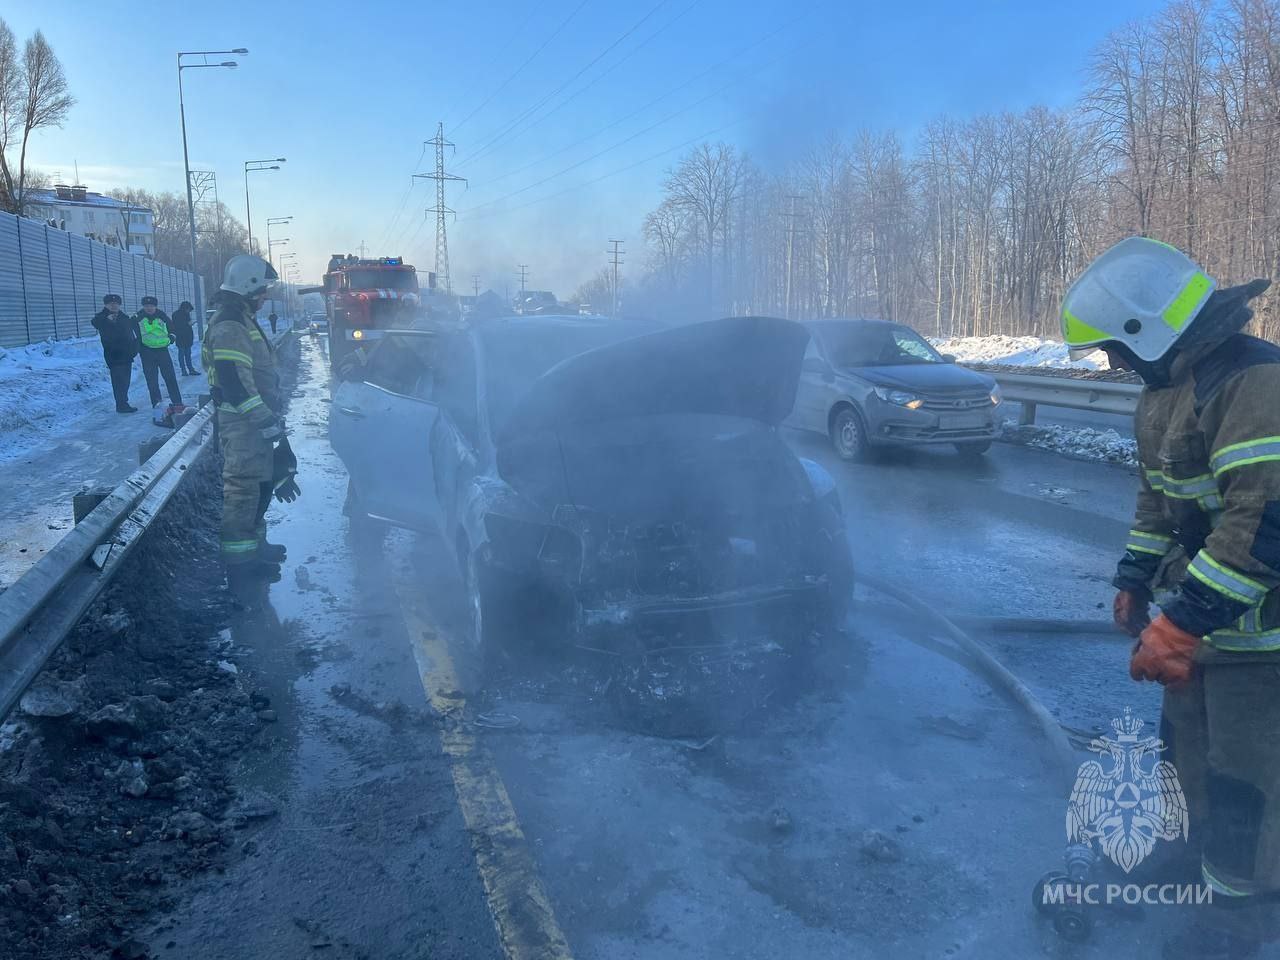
(740, 366)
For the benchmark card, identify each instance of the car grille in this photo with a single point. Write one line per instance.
(953, 404)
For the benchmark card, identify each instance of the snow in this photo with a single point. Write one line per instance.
(1080, 443)
(1018, 352)
(44, 385)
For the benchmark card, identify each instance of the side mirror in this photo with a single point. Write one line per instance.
(949, 357)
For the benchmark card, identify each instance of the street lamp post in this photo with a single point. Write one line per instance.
(186, 157)
(288, 269)
(274, 221)
(255, 166)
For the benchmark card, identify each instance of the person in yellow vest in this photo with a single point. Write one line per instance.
(154, 339)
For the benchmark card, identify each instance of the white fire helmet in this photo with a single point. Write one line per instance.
(1141, 293)
(248, 275)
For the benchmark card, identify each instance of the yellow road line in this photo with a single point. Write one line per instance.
(526, 924)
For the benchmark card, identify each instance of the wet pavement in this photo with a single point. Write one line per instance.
(898, 806)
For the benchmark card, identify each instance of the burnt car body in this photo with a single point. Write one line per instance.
(602, 484)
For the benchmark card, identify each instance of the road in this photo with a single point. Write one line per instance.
(894, 805)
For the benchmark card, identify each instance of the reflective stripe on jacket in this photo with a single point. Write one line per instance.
(240, 364)
(1209, 495)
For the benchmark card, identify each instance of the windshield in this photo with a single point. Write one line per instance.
(384, 279)
(875, 345)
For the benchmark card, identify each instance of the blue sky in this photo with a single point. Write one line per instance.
(348, 92)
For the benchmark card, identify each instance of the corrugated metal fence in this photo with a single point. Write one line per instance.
(52, 282)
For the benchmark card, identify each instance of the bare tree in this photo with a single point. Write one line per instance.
(33, 95)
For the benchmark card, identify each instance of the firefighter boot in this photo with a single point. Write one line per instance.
(248, 581)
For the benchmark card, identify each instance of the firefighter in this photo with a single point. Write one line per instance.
(154, 337)
(240, 364)
(1207, 530)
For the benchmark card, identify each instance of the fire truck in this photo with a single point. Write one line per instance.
(366, 294)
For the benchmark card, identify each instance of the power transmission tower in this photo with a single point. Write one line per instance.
(475, 282)
(524, 277)
(616, 260)
(440, 177)
(791, 233)
(362, 248)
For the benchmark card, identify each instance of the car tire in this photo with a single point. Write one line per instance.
(849, 435)
(973, 449)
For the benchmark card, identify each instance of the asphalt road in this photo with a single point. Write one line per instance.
(894, 805)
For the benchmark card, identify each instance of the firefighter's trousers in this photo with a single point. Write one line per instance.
(246, 471)
(1222, 733)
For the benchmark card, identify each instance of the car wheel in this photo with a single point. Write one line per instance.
(848, 435)
(974, 448)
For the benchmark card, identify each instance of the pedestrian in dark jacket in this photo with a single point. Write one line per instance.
(154, 339)
(119, 336)
(273, 320)
(183, 337)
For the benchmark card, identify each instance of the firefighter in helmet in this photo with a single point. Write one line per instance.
(240, 363)
(1207, 531)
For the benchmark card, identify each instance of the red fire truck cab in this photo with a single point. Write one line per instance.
(362, 295)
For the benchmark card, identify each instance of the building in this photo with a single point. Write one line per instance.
(93, 215)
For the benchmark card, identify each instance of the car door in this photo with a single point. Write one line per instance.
(381, 424)
(455, 440)
(812, 394)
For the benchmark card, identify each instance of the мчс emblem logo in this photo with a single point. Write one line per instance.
(1129, 799)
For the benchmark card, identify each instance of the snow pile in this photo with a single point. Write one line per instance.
(1017, 351)
(1082, 443)
(45, 384)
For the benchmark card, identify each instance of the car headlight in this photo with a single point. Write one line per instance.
(996, 395)
(900, 397)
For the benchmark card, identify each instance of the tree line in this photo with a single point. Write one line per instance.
(979, 227)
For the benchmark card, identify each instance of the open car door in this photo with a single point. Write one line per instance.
(380, 425)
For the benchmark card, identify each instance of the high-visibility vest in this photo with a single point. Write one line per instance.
(155, 332)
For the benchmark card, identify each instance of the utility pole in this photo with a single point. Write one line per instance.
(440, 177)
(616, 260)
(791, 233)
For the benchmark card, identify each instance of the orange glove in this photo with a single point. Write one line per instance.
(1164, 653)
(1130, 612)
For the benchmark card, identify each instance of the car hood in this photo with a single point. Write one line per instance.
(739, 366)
(921, 376)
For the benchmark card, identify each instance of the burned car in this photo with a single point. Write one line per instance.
(604, 485)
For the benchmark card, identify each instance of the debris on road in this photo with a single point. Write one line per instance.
(1080, 443)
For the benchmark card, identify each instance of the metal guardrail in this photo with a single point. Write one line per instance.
(1102, 396)
(42, 606)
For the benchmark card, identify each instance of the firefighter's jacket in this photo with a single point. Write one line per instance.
(1208, 513)
(241, 366)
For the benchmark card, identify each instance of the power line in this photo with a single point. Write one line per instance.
(515, 73)
(488, 146)
(733, 57)
(612, 173)
(626, 140)
(404, 199)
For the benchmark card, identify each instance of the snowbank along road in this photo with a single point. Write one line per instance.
(320, 777)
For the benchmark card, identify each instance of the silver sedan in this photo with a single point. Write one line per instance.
(867, 383)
